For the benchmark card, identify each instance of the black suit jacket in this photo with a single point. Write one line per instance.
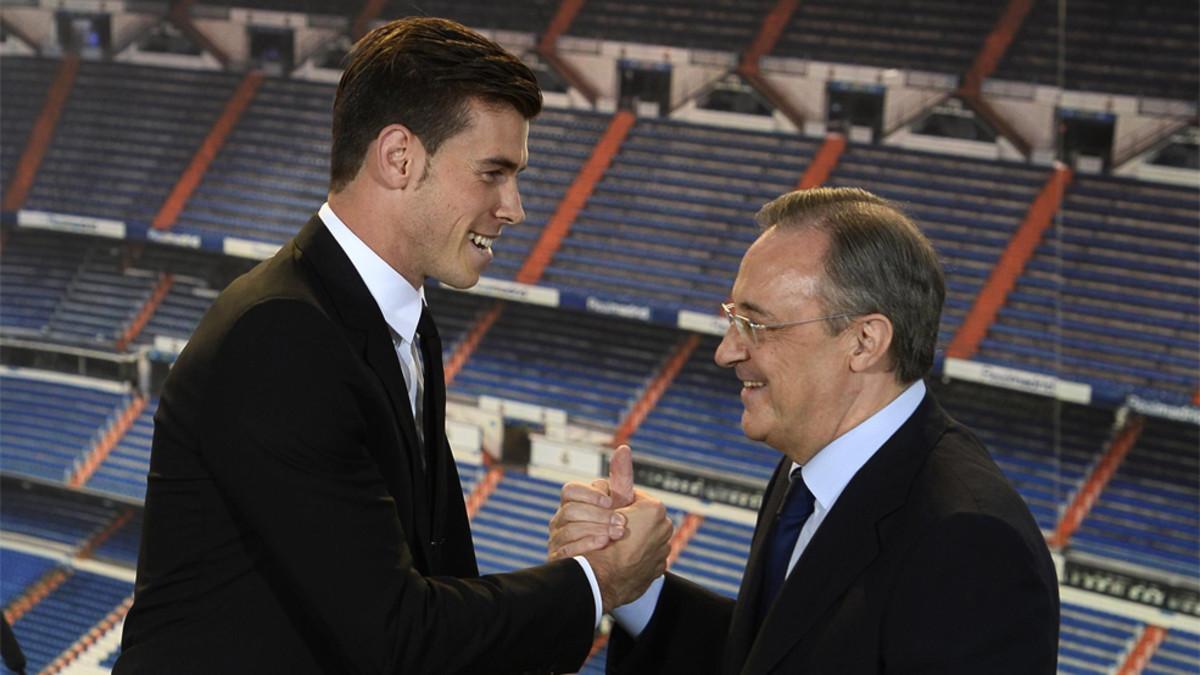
(290, 526)
(929, 562)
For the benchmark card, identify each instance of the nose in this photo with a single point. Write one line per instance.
(731, 351)
(510, 209)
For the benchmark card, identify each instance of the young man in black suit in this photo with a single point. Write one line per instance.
(303, 510)
(888, 541)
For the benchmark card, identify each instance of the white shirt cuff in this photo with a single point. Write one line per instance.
(591, 577)
(634, 616)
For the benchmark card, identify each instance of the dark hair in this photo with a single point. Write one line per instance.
(421, 72)
(877, 262)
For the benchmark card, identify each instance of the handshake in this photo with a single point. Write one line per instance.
(624, 534)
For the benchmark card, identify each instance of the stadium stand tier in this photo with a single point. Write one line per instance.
(68, 612)
(674, 213)
(931, 35)
(719, 25)
(1112, 295)
(126, 134)
(1178, 654)
(1149, 514)
(527, 16)
(124, 470)
(318, 7)
(273, 171)
(968, 208)
(31, 76)
(45, 425)
(553, 359)
(1092, 642)
(560, 141)
(1131, 48)
(510, 529)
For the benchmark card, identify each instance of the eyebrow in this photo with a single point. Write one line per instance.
(751, 307)
(503, 163)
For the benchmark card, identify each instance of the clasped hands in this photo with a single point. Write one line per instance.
(624, 533)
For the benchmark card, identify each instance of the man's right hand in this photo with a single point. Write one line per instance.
(626, 567)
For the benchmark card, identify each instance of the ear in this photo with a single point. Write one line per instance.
(397, 157)
(871, 337)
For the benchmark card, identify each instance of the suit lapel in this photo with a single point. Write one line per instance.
(847, 541)
(365, 328)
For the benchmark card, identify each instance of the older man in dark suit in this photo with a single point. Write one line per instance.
(888, 541)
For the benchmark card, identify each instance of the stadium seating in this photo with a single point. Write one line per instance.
(552, 358)
(320, 7)
(968, 208)
(1128, 255)
(560, 141)
(1178, 653)
(930, 35)
(470, 475)
(1149, 515)
(1046, 449)
(120, 546)
(126, 134)
(195, 284)
(1111, 298)
(49, 516)
(455, 313)
(273, 171)
(180, 311)
(674, 213)
(708, 24)
(716, 555)
(21, 569)
(530, 16)
(1092, 642)
(1131, 48)
(86, 292)
(124, 470)
(31, 77)
(37, 270)
(45, 426)
(697, 422)
(510, 529)
(67, 613)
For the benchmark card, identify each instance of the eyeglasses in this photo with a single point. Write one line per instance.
(749, 330)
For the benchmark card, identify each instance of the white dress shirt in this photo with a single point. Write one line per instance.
(826, 475)
(400, 305)
(398, 301)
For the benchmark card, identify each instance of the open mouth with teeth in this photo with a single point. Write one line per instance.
(481, 242)
(753, 384)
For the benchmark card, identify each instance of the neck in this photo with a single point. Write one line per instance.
(366, 215)
(876, 392)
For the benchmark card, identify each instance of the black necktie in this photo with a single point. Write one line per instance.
(797, 507)
(431, 372)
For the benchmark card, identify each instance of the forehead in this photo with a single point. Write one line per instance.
(493, 129)
(781, 269)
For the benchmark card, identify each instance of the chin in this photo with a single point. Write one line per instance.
(751, 430)
(462, 280)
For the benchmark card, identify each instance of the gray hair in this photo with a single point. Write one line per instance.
(877, 262)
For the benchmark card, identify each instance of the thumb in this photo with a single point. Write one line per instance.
(620, 476)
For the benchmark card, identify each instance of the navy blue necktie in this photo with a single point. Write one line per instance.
(797, 507)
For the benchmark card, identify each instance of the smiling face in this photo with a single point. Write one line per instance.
(464, 196)
(797, 384)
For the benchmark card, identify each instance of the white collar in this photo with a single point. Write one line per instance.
(399, 302)
(830, 470)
